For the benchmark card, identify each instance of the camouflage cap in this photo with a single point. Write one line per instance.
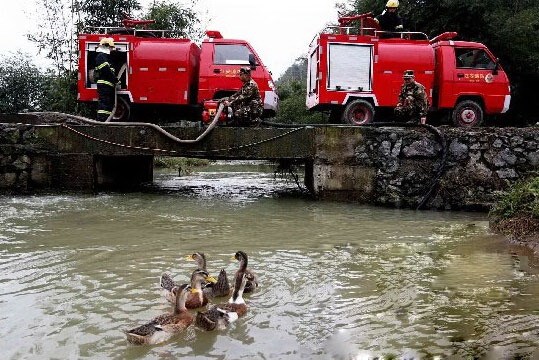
(408, 74)
(245, 70)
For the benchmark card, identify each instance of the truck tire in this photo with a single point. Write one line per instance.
(358, 112)
(468, 113)
(123, 110)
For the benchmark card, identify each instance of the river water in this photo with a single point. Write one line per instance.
(338, 280)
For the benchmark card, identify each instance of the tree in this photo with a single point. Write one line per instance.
(21, 84)
(182, 21)
(56, 35)
(104, 13)
(292, 88)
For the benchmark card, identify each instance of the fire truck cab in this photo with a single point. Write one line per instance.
(172, 75)
(355, 71)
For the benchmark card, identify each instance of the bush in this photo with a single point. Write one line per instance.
(522, 199)
(21, 84)
(517, 212)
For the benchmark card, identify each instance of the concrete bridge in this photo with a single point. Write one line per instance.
(445, 168)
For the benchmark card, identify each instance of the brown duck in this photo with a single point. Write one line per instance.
(212, 289)
(168, 284)
(252, 282)
(163, 327)
(220, 316)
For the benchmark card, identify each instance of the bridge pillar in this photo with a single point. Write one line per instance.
(68, 172)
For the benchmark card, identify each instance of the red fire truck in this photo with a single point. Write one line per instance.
(159, 75)
(354, 71)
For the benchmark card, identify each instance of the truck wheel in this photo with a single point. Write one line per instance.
(123, 110)
(468, 113)
(358, 112)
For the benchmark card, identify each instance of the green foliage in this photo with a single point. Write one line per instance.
(60, 92)
(21, 84)
(109, 13)
(522, 199)
(182, 21)
(24, 87)
(292, 88)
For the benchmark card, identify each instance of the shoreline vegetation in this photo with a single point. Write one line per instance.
(516, 214)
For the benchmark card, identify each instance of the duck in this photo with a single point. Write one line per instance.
(163, 327)
(197, 298)
(200, 259)
(252, 281)
(212, 289)
(218, 317)
(167, 283)
(220, 288)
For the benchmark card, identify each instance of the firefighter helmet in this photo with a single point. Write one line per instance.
(108, 41)
(392, 4)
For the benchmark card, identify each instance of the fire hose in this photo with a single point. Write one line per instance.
(159, 129)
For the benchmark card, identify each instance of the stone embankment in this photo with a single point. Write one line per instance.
(395, 166)
(405, 167)
(22, 167)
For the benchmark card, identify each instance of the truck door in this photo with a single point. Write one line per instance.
(222, 77)
(474, 75)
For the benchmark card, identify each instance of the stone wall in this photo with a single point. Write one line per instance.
(31, 161)
(21, 167)
(395, 166)
(407, 167)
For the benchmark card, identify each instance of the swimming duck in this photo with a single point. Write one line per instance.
(252, 282)
(200, 259)
(197, 298)
(220, 316)
(212, 289)
(163, 327)
(219, 288)
(168, 284)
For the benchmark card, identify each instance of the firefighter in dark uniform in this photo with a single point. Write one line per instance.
(413, 101)
(389, 19)
(246, 103)
(106, 79)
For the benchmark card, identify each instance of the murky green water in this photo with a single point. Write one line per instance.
(338, 281)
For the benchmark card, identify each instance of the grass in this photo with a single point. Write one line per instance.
(517, 212)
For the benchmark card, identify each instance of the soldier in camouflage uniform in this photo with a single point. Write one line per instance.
(413, 101)
(246, 102)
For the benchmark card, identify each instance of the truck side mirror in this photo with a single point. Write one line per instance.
(496, 66)
(252, 61)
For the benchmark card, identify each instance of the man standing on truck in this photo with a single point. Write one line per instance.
(106, 79)
(389, 19)
(413, 101)
(246, 102)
